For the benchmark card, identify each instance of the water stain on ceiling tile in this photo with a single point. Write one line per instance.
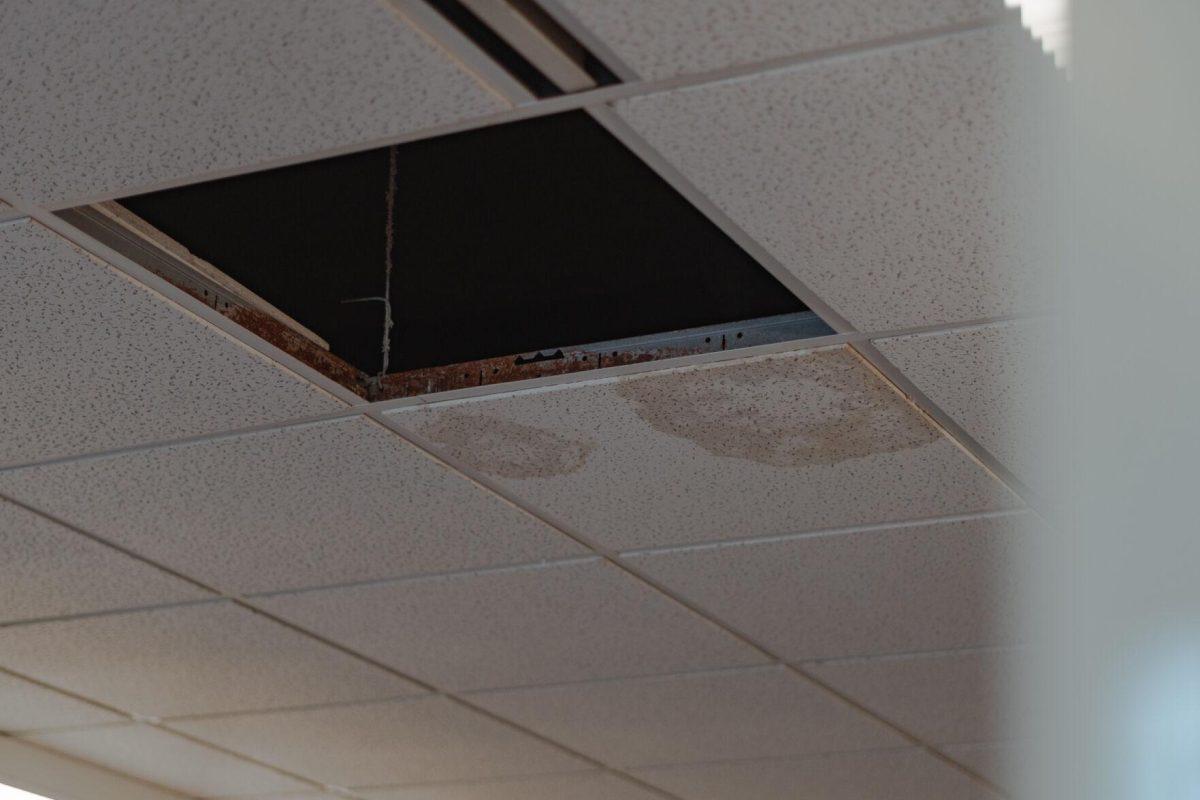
(851, 414)
(510, 449)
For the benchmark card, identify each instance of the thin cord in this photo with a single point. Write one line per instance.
(390, 237)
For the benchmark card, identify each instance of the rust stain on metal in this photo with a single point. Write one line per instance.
(299, 347)
(506, 369)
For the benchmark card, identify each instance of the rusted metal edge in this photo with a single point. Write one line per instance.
(133, 239)
(618, 352)
(127, 233)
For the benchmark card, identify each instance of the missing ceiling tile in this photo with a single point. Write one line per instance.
(480, 257)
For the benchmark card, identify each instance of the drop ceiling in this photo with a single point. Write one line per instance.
(776, 572)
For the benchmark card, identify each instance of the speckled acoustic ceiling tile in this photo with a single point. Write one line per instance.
(313, 504)
(900, 774)
(199, 659)
(925, 587)
(517, 627)
(93, 360)
(663, 38)
(897, 184)
(102, 99)
(166, 759)
(1003, 763)
(379, 744)
(997, 381)
(747, 713)
(755, 447)
(583, 786)
(47, 570)
(944, 698)
(27, 706)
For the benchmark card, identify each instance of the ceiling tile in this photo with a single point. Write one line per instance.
(377, 744)
(925, 587)
(688, 718)
(943, 698)
(907, 774)
(584, 786)
(175, 89)
(162, 757)
(755, 447)
(1002, 763)
(94, 360)
(47, 570)
(198, 659)
(517, 627)
(26, 706)
(300, 506)
(995, 381)
(894, 184)
(663, 38)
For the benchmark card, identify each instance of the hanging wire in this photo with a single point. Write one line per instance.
(389, 247)
(389, 231)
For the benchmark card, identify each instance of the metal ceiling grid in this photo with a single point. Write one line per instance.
(950, 753)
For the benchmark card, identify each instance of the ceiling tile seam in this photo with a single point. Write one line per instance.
(781, 759)
(190, 306)
(47, 775)
(821, 533)
(133, 718)
(375, 787)
(130, 718)
(959, 325)
(862, 346)
(440, 33)
(930, 748)
(609, 375)
(431, 577)
(913, 655)
(433, 690)
(571, 102)
(688, 364)
(429, 688)
(29, 733)
(397, 699)
(126, 715)
(235, 754)
(453, 696)
(51, 517)
(12, 215)
(649, 677)
(950, 427)
(778, 65)
(337, 415)
(529, 386)
(107, 612)
(665, 169)
(611, 557)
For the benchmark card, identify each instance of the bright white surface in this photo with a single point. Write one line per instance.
(1049, 21)
(9, 793)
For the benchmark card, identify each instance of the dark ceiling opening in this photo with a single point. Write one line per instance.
(510, 239)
